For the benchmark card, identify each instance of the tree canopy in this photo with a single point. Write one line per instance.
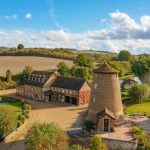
(139, 92)
(83, 60)
(20, 46)
(46, 136)
(63, 69)
(124, 55)
(141, 67)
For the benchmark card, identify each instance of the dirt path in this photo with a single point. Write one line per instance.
(67, 116)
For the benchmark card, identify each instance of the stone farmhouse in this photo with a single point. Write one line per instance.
(50, 86)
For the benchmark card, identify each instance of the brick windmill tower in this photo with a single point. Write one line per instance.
(105, 107)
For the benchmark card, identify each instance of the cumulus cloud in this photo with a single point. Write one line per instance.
(28, 16)
(123, 33)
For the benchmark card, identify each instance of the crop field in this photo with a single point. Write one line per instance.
(17, 63)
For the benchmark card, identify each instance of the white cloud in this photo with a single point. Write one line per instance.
(28, 16)
(124, 33)
(14, 16)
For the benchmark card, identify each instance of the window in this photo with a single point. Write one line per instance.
(95, 86)
(93, 99)
(70, 92)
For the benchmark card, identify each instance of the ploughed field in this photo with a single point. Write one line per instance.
(17, 63)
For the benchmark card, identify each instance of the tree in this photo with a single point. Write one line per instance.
(124, 56)
(63, 69)
(81, 72)
(20, 46)
(138, 93)
(83, 60)
(97, 144)
(141, 68)
(27, 71)
(44, 136)
(8, 76)
(8, 121)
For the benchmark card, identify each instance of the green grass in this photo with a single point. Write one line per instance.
(15, 106)
(139, 108)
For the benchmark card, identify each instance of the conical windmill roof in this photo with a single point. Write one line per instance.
(106, 68)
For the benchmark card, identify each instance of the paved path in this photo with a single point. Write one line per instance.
(67, 116)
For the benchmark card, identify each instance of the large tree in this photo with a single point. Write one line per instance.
(82, 72)
(63, 69)
(124, 55)
(141, 68)
(83, 60)
(138, 92)
(46, 136)
(20, 46)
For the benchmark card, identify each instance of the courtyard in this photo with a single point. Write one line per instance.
(67, 116)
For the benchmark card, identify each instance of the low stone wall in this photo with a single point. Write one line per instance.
(114, 144)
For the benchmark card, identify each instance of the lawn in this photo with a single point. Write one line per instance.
(15, 106)
(139, 108)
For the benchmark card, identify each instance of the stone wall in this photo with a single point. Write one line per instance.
(112, 144)
(120, 145)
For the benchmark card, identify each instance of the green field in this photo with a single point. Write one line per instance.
(139, 108)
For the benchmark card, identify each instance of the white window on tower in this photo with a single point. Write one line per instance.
(93, 99)
(95, 86)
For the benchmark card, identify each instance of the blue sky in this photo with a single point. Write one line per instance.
(82, 24)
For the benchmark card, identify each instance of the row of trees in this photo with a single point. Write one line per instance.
(52, 137)
(60, 53)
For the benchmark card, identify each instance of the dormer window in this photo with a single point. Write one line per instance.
(39, 79)
(95, 86)
(42, 80)
(93, 99)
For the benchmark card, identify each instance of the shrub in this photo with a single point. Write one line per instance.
(141, 136)
(8, 121)
(26, 106)
(76, 147)
(97, 144)
(26, 109)
(22, 118)
(19, 123)
(88, 125)
(46, 136)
